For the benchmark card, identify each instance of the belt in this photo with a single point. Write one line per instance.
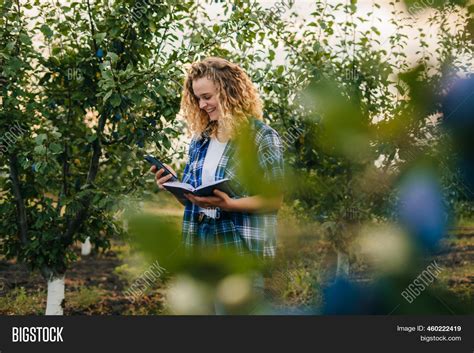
(219, 215)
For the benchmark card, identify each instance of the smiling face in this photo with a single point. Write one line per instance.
(206, 94)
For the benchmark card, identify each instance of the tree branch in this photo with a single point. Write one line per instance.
(107, 142)
(92, 26)
(80, 216)
(20, 206)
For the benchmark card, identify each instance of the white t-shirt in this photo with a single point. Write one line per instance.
(211, 161)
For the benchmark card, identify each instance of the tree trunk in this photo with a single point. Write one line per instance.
(342, 264)
(54, 303)
(86, 247)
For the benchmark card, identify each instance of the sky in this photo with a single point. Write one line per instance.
(381, 20)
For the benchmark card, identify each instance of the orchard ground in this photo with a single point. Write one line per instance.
(96, 284)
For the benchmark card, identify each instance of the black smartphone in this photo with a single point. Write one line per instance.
(154, 161)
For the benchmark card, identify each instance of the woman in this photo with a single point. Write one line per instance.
(220, 103)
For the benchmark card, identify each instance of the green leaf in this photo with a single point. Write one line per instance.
(46, 31)
(25, 39)
(40, 149)
(99, 37)
(113, 57)
(196, 39)
(91, 138)
(55, 148)
(107, 95)
(115, 100)
(40, 139)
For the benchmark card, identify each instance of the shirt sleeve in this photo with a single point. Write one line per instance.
(186, 175)
(270, 156)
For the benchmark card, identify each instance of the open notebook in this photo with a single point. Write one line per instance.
(178, 189)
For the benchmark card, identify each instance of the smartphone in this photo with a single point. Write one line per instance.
(154, 161)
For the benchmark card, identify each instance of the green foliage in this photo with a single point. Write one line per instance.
(358, 99)
(102, 87)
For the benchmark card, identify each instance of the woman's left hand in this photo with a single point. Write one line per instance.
(221, 200)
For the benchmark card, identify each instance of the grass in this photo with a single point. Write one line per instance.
(20, 302)
(83, 298)
(302, 263)
(294, 287)
(466, 223)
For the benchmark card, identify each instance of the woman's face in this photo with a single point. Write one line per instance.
(206, 93)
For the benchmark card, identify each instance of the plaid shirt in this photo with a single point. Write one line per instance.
(249, 232)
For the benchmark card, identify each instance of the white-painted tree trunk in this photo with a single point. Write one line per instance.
(55, 296)
(342, 264)
(86, 247)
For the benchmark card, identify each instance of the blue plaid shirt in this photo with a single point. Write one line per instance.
(255, 232)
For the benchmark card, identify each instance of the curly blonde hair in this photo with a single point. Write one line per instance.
(237, 96)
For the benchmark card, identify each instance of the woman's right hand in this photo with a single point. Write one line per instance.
(160, 180)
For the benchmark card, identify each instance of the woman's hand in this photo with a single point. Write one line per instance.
(158, 175)
(221, 200)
